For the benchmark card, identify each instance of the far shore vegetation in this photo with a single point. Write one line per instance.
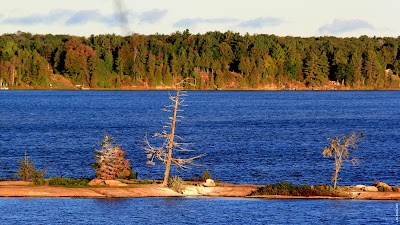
(214, 61)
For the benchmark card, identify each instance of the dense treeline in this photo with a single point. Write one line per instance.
(213, 60)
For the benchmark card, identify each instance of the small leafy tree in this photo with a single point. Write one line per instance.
(28, 172)
(339, 148)
(110, 161)
(206, 175)
(165, 152)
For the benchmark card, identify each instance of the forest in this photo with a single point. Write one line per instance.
(213, 60)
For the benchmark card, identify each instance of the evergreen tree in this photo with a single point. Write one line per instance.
(110, 161)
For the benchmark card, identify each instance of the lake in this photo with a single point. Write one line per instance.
(249, 137)
(194, 211)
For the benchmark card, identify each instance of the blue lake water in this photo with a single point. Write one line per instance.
(194, 211)
(249, 137)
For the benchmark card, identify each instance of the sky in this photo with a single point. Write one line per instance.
(304, 18)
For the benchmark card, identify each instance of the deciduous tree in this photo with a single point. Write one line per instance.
(339, 148)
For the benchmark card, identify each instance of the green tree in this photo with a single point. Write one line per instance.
(226, 55)
(109, 61)
(28, 172)
(316, 69)
(356, 70)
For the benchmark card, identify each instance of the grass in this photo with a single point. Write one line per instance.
(143, 182)
(289, 189)
(68, 182)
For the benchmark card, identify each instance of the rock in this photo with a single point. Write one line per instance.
(355, 194)
(114, 183)
(190, 191)
(209, 183)
(360, 187)
(97, 182)
(371, 188)
(204, 190)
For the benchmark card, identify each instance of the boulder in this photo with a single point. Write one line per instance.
(114, 183)
(190, 191)
(360, 187)
(371, 188)
(97, 182)
(209, 183)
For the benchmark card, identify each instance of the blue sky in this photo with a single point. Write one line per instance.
(305, 18)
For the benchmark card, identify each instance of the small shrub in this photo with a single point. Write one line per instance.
(175, 183)
(396, 189)
(132, 175)
(206, 175)
(40, 182)
(28, 172)
(384, 189)
(68, 182)
(324, 190)
(286, 188)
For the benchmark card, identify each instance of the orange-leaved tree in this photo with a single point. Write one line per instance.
(110, 161)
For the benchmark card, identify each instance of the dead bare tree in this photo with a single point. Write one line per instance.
(164, 153)
(339, 148)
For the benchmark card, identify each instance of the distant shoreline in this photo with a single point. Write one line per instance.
(212, 90)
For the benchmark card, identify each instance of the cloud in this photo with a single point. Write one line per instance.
(67, 17)
(261, 22)
(33, 19)
(152, 16)
(192, 22)
(84, 16)
(341, 26)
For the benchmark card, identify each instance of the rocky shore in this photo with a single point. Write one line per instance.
(27, 189)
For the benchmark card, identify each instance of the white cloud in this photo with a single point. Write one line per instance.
(284, 17)
(153, 16)
(261, 22)
(193, 22)
(342, 26)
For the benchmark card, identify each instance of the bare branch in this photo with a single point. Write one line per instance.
(339, 149)
(165, 152)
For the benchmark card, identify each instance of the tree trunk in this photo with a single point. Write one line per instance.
(171, 140)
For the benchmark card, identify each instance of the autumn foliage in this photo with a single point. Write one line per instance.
(212, 60)
(110, 161)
